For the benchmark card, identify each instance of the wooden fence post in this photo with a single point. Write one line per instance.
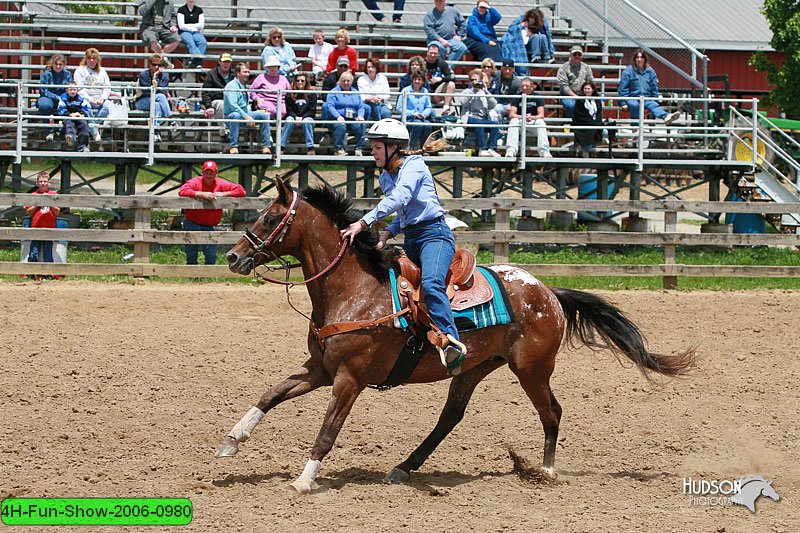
(502, 223)
(141, 221)
(670, 226)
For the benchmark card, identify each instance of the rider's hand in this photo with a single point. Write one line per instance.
(350, 232)
(385, 236)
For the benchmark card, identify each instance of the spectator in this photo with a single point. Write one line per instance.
(343, 49)
(76, 107)
(482, 38)
(571, 76)
(444, 26)
(213, 86)
(159, 28)
(207, 187)
(55, 74)
(415, 64)
(95, 87)
(154, 77)
(504, 86)
(191, 22)
(332, 79)
(417, 109)
(344, 105)
(300, 107)
(489, 71)
(588, 112)
(528, 40)
(374, 89)
(277, 46)
(533, 112)
(42, 217)
(439, 79)
(237, 108)
(476, 103)
(318, 53)
(639, 79)
(264, 89)
(397, 14)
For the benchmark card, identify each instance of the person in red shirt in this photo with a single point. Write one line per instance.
(343, 49)
(206, 187)
(42, 217)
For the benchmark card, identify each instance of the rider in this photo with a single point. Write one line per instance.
(411, 193)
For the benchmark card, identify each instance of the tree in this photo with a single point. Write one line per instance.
(784, 21)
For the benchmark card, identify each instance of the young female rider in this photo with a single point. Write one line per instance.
(411, 193)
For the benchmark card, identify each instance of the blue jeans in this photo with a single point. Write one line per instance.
(431, 245)
(100, 111)
(418, 130)
(569, 106)
(649, 105)
(340, 130)
(482, 50)
(539, 47)
(161, 108)
(457, 49)
(209, 250)
(377, 111)
(398, 7)
(47, 106)
(262, 123)
(480, 133)
(308, 129)
(38, 248)
(195, 42)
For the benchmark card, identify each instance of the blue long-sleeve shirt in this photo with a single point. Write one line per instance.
(415, 103)
(285, 53)
(411, 193)
(340, 103)
(51, 78)
(236, 98)
(481, 27)
(638, 83)
(146, 82)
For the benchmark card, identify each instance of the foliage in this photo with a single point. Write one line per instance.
(784, 21)
(91, 7)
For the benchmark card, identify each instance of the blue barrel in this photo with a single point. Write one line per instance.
(587, 190)
(745, 222)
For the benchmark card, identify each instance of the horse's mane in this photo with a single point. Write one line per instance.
(337, 206)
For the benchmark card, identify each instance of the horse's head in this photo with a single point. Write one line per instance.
(769, 491)
(265, 238)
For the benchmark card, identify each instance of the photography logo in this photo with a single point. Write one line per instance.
(743, 491)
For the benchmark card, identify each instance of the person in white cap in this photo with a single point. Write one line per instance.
(411, 193)
(571, 76)
(264, 89)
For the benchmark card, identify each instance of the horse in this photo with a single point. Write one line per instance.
(753, 487)
(352, 343)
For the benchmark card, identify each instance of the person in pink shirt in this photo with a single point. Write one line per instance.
(264, 89)
(208, 187)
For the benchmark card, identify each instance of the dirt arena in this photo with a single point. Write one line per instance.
(123, 390)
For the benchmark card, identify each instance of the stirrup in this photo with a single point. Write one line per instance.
(453, 355)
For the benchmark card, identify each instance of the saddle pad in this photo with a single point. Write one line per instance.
(495, 312)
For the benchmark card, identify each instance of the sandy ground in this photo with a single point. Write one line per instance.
(122, 390)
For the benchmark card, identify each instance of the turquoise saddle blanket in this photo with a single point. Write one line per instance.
(495, 312)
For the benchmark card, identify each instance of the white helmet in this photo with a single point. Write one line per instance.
(390, 131)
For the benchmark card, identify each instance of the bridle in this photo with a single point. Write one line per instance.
(277, 235)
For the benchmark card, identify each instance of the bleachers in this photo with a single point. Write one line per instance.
(46, 31)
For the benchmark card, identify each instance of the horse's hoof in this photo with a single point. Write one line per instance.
(549, 474)
(396, 475)
(303, 486)
(227, 448)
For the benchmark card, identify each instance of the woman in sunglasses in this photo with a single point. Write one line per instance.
(300, 109)
(277, 46)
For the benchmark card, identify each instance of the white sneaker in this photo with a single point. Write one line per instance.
(70, 140)
(672, 117)
(546, 155)
(97, 137)
(511, 152)
(157, 138)
(84, 149)
(484, 153)
(493, 153)
(50, 137)
(340, 152)
(358, 153)
(167, 63)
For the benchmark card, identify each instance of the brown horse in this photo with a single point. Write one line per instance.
(350, 284)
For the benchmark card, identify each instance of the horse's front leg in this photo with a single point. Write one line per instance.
(345, 391)
(311, 377)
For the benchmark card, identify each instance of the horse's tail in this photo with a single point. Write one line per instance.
(588, 314)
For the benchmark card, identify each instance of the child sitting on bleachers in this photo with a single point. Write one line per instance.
(318, 53)
(74, 105)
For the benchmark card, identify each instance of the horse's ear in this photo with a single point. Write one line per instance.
(284, 189)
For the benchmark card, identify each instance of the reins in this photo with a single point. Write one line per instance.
(262, 247)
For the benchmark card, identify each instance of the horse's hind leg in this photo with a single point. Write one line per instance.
(311, 377)
(535, 380)
(461, 389)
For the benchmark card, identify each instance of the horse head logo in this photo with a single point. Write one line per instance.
(751, 488)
